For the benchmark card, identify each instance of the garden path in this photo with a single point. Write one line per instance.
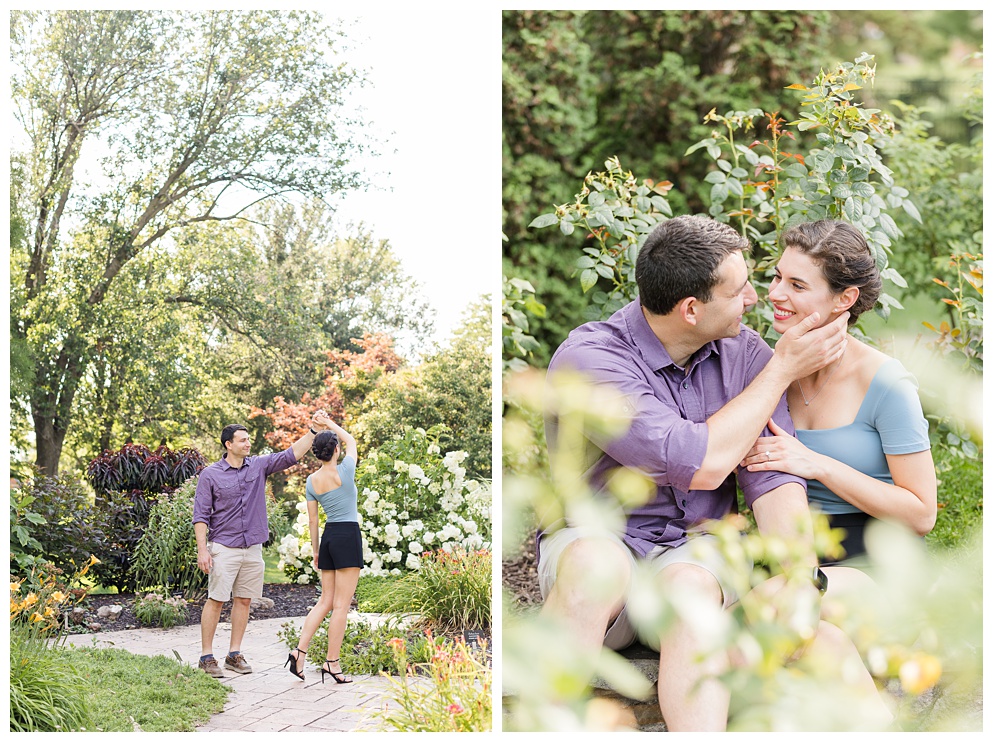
(269, 699)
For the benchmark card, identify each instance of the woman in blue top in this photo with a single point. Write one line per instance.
(338, 556)
(862, 439)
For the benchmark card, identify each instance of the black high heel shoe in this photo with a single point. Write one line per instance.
(339, 677)
(291, 660)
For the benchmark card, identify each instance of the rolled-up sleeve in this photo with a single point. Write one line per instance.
(203, 498)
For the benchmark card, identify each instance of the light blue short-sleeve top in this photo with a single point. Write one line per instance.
(889, 421)
(341, 504)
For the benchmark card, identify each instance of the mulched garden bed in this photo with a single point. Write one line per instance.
(289, 601)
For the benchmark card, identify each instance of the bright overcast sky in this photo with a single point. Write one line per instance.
(434, 96)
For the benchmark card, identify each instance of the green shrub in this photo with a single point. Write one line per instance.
(128, 482)
(166, 554)
(452, 590)
(157, 610)
(365, 650)
(51, 520)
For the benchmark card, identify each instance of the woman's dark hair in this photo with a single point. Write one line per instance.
(844, 258)
(325, 444)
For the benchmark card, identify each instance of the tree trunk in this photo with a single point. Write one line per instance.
(49, 437)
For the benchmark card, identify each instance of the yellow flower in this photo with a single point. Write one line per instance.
(919, 673)
(36, 617)
(30, 600)
(58, 596)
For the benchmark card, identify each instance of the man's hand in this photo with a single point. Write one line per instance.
(805, 348)
(204, 561)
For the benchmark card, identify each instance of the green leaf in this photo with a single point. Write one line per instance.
(719, 193)
(588, 279)
(853, 210)
(585, 261)
(545, 220)
(724, 165)
(889, 226)
(912, 211)
(735, 187)
(604, 270)
(750, 155)
(693, 148)
(715, 177)
(893, 275)
(567, 227)
(596, 199)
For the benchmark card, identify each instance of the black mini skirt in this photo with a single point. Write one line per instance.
(341, 546)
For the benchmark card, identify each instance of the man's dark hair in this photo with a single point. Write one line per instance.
(228, 433)
(324, 444)
(681, 258)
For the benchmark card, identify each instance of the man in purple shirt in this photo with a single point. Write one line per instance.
(230, 523)
(697, 388)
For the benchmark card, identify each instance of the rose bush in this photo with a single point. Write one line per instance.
(411, 499)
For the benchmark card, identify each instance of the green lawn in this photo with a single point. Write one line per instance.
(132, 693)
(272, 574)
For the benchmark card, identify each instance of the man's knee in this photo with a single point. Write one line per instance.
(598, 566)
(243, 602)
(692, 578)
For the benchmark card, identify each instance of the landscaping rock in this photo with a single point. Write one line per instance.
(78, 615)
(110, 611)
(266, 604)
(94, 626)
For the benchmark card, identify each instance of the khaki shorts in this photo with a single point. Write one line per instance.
(700, 550)
(236, 572)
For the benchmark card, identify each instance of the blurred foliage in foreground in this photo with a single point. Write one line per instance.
(918, 627)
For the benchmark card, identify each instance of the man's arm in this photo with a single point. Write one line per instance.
(732, 430)
(783, 512)
(204, 560)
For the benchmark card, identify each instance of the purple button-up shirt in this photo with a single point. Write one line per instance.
(668, 408)
(232, 501)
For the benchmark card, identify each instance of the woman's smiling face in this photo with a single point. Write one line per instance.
(798, 290)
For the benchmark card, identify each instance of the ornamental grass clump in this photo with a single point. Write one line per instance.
(451, 591)
(46, 693)
(452, 692)
(154, 609)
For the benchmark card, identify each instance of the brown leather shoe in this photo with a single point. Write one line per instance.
(211, 667)
(236, 662)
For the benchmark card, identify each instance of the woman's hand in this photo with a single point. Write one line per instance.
(782, 452)
(316, 568)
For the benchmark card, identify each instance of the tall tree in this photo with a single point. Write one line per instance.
(257, 112)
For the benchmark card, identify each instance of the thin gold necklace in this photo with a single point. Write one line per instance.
(806, 402)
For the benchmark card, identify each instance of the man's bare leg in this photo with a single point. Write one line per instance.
(589, 590)
(685, 705)
(239, 621)
(209, 617)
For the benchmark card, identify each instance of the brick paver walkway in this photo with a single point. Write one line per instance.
(269, 699)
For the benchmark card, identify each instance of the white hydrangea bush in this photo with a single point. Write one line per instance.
(411, 500)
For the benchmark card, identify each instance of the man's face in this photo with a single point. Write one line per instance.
(240, 444)
(721, 316)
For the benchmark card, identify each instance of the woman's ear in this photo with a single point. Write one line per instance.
(846, 299)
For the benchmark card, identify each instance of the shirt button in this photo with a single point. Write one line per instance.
(686, 385)
(684, 503)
